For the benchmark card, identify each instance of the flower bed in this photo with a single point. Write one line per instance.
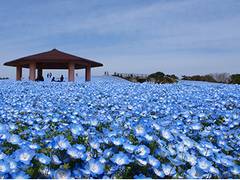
(117, 129)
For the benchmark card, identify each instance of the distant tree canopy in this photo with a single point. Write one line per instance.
(235, 79)
(217, 77)
(160, 77)
(207, 78)
(157, 75)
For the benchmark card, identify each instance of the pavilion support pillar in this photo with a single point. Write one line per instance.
(71, 72)
(32, 71)
(18, 73)
(88, 73)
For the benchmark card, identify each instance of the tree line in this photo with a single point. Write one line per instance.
(160, 77)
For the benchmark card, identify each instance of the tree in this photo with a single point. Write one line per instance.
(235, 79)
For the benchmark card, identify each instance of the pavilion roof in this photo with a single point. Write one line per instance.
(53, 59)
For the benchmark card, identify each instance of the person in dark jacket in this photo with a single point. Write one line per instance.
(53, 79)
(61, 78)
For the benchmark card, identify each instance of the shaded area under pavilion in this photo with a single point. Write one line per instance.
(53, 59)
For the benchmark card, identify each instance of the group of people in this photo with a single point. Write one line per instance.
(60, 80)
(49, 75)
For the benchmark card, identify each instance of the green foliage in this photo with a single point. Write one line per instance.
(235, 79)
(207, 78)
(9, 148)
(160, 77)
(157, 75)
(133, 138)
(153, 146)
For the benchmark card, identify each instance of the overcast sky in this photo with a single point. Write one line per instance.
(134, 36)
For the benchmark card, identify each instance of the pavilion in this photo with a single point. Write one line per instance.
(53, 59)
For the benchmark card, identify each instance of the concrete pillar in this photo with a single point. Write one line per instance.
(18, 73)
(32, 71)
(88, 73)
(71, 72)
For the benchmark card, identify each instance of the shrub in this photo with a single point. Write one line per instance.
(235, 79)
(160, 77)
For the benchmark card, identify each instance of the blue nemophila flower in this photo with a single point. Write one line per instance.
(13, 165)
(120, 159)
(4, 167)
(3, 127)
(80, 147)
(107, 153)
(140, 130)
(168, 169)
(56, 160)
(226, 160)
(74, 152)
(77, 173)
(118, 141)
(191, 158)
(95, 145)
(148, 137)
(102, 160)
(167, 134)
(46, 172)
(14, 139)
(156, 126)
(60, 142)
(141, 162)
(4, 135)
(214, 170)
(196, 126)
(141, 176)
(205, 151)
(193, 173)
(204, 164)
(24, 155)
(129, 147)
(142, 151)
(34, 146)
(159, 172)
(188, 142)
(222, 143)
(2, 155)
(76, 129)
(20, 175)
(94, 122)
(95, 167)
(154, 162)
(176, 161)
(42, 158)
(62, 174)
(235, 170)
(12, 126)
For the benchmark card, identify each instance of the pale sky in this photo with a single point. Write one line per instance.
(133, 36)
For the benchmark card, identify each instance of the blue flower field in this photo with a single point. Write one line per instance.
(111, 128)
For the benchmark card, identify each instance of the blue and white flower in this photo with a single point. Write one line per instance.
(142, 151)
(120, 159)
(60, 142)
(42, 158)
(62, 174)
(24, 155)
(95, 167)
